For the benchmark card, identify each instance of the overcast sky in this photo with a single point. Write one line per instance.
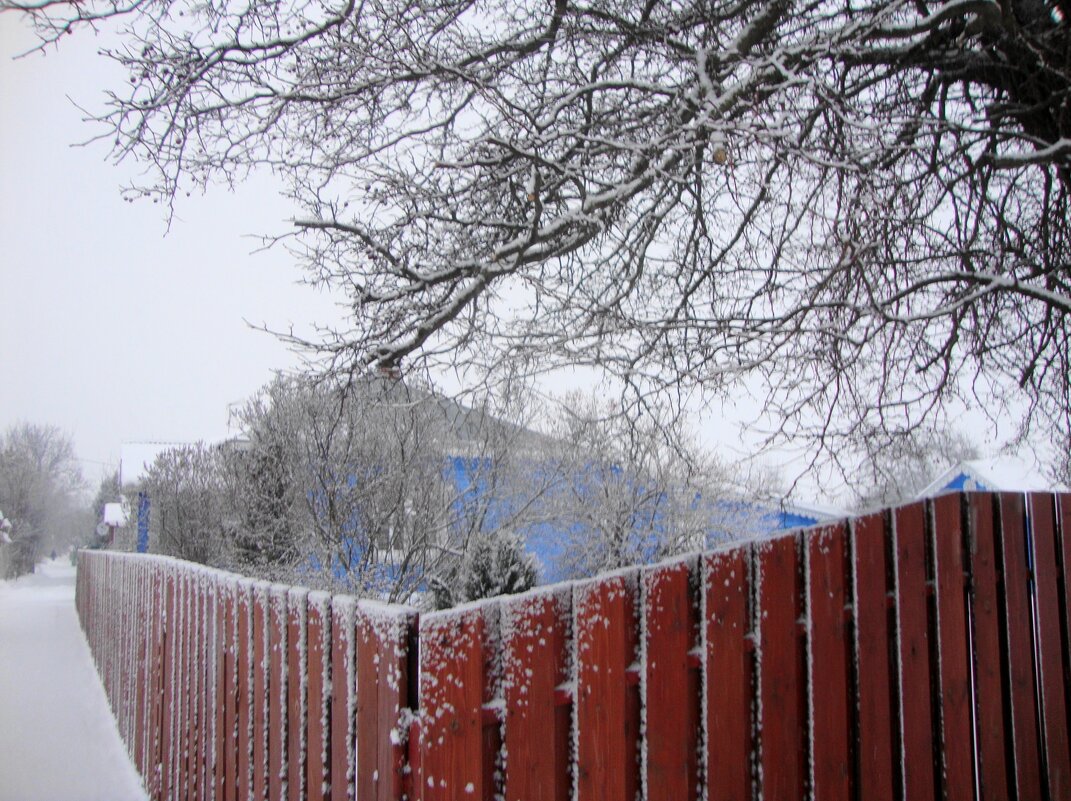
(110, 327)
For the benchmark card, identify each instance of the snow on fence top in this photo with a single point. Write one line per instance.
(768, 669)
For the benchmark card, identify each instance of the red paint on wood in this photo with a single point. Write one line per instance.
(916, 711)
(536, 664)
(317, 777)
(954, 649)
(168, 686)
(986, 605)
(1020, 650)
(783, 738)
(277, 684)
(730, 687)
(343, 699)
(219, 718)
(181, 735)
(261, 697)
(382, 688)
(673, 701)
(144, 623)
(1063, 521)
(202, 695)
(1050, 647)
(229, 736)
(874, 646)
(244, 687)
(607, 709)
(295, 695)
(830, 660)
(451, 695)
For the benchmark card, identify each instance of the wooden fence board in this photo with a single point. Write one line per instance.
(201, 709)
(672, 702)
(607, 703)
(343, 698)
(782, 674)
(1050, 648)
(261, 695)
(915, 640)
(878, 730)
(829, 675)
(168, 684)
(296, 610)
(317, 776)
(277, 692)
(953, 642)
(729, 677)
(1063, 522)
(229, 736)
(538, 742)
(1020, 651)
(986, 607)
(382, 661)
(244, 688)
(451, 694)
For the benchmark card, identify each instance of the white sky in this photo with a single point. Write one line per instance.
(108, 328)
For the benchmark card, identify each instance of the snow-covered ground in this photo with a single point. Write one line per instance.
(58, 740)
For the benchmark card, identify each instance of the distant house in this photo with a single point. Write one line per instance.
(997, 474)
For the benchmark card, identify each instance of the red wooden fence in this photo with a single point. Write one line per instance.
(919, 653)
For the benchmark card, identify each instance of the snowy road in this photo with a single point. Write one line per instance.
(58, 740)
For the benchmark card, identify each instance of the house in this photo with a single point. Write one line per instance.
(996, 474)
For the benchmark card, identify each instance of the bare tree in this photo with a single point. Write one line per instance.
(379, 484)
(622, 493)
(861, 207)
(898, 471)
(40, 493)
(185, 485)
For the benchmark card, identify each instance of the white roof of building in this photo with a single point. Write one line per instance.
(996, 474)
(115, 515)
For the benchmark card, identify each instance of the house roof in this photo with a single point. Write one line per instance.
(114, 515)
(996, 474)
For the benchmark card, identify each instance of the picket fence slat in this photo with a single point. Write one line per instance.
(919, 653)
(607, 703)
(538, 701)
(782, 675)
(296, 616)
(1050, 649)
(261, 695)
(244, 689)
(452, 693)
(343, 698)
(953, 642)
(318, 650)
(878, 732)
(1019, 652)
(277, 693)
(671, 683)
(729, 687)
(915, 640)
(829, 675)
(987, 602)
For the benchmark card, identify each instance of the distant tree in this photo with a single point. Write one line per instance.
(494, 564)
(185, 485)
(358, 477)
(40, 492)
(860, 211)
(626, 493)
(900, 470)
